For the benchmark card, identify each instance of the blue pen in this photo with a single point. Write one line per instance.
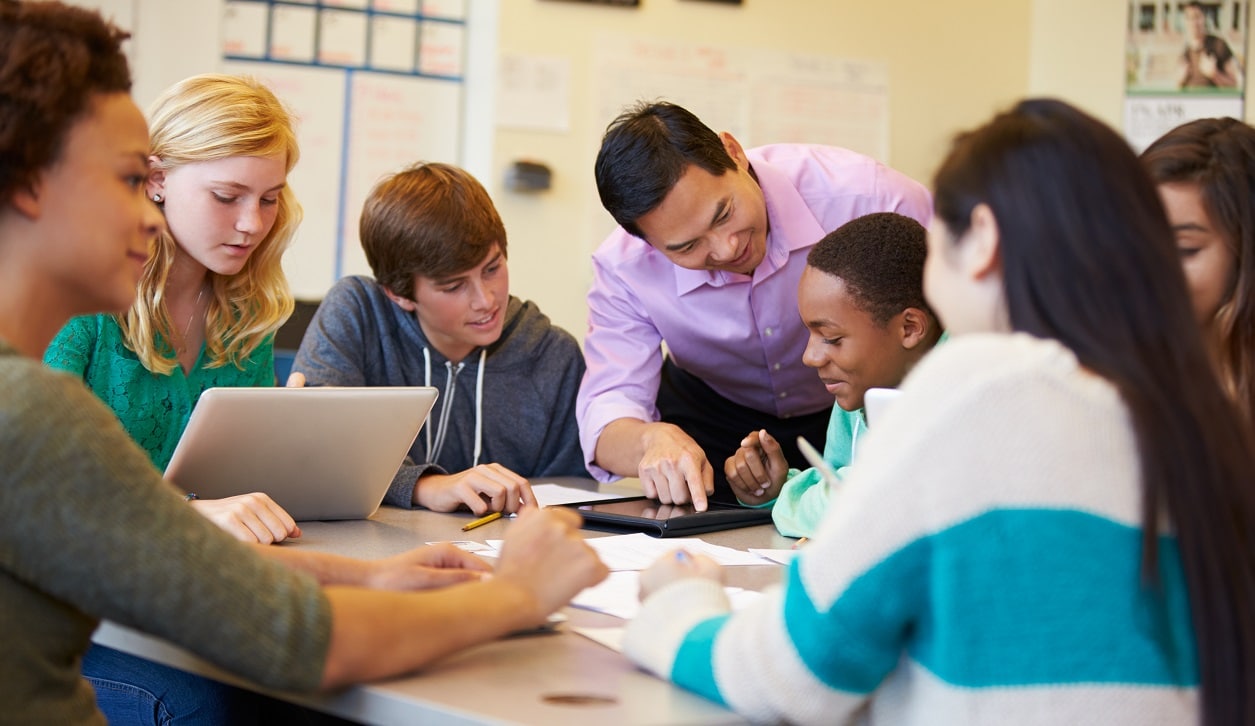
(682, 556)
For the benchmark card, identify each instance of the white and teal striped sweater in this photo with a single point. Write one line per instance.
(979, 565)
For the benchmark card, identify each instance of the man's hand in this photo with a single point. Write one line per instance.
(674, 468)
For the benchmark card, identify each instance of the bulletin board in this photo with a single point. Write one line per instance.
(375, 85)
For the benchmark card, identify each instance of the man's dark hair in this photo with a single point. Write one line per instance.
(643, 154)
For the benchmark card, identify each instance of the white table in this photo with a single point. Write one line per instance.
(560, 678)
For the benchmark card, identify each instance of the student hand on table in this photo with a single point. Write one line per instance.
(674, 469)
(546, 557)
(249, 517)
(423, 568)
(483, 489)
(295, 380)
(758, 469)
(676, 566)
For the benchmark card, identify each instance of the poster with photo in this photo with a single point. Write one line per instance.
(1184, 60)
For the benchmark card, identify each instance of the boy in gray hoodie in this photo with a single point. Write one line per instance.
(439, 313)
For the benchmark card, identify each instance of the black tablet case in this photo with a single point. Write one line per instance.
(718, 517)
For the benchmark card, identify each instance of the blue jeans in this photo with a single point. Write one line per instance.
(132, 690)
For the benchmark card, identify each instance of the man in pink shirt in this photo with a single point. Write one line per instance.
(712, 241)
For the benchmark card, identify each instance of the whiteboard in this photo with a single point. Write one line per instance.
(353, 127)
(393, 121)
(316, 97)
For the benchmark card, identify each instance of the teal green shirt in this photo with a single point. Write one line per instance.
(804, 497)
(153, 408)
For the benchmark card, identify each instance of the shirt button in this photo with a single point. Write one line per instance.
(784, 395)
(767, 332)
(776, 367)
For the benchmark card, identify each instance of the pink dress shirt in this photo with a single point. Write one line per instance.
(740, 334)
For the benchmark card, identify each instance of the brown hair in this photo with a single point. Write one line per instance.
(430, 219)
(53, 59)
(1218, 154)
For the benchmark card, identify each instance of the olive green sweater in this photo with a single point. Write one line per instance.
(89, 531)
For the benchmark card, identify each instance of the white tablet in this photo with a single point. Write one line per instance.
(320, 453)
(876, 401)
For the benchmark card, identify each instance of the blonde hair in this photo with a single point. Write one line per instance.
(206, 118)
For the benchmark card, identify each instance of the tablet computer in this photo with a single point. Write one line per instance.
(876, 401)
(320, 453)
(638, 514)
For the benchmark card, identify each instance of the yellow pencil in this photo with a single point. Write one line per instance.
(481, 521)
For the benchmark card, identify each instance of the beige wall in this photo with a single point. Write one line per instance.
(951, 64)
(1077, 53)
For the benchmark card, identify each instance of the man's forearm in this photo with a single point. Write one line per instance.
(620, 446)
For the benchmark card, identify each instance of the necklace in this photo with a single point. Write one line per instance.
(187, 329)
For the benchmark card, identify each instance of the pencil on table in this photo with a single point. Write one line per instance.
(481, 521)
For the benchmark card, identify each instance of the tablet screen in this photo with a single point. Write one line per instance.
(644, 508)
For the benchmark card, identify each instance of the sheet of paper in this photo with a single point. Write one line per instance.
(550, 494)
(782, 557)
(292, 33)
(534, 92)
(478, 548)
(612, 638)
(341, 38)
(243, 29)
(638, 551)
(440, 48)
(619, 595)
(392, 43)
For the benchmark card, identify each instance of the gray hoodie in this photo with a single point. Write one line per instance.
(530, 376)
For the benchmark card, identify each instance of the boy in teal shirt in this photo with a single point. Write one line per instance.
(862, 298)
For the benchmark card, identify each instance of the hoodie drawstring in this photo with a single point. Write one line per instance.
(446, 407)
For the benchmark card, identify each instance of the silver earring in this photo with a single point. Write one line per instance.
(157, 198)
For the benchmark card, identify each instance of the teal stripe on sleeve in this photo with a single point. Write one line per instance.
(695, 660)
(859, 641)
(1009, 598)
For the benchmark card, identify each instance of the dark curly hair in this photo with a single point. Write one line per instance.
(53, 58)
(880, 257)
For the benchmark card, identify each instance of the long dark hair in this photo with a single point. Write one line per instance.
(1218, 154)
(1088, 259)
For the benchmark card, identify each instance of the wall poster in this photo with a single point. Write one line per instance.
(1183, 60)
